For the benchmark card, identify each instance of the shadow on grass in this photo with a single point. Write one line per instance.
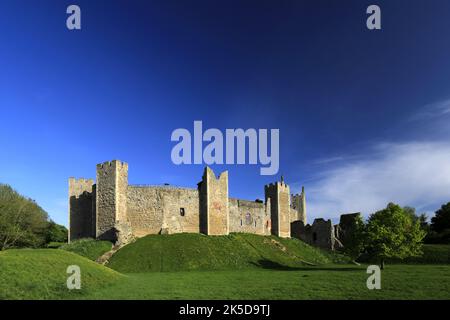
(268, 264)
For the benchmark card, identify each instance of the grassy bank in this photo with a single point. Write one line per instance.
(184, 252)
(89, 248)
(41, 274)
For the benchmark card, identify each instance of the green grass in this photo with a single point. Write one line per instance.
(184, 252)
(324, 282)
(238, 266)
(41, 274)
(55, 245)
(89, 248)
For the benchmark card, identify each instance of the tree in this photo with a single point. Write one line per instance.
(22, 222)
(56, 233)
(355, 239)
(441, 221)
(393, 233)
(422, 218)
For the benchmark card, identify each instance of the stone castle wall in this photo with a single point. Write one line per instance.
(249, 217)
(153, 210)
(82, 208)
(112, 209)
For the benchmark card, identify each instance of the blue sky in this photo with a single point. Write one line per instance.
(363, 115)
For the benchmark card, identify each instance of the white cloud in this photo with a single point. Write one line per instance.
(414, 174)
(435, 110)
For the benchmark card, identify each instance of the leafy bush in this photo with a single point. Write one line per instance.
(56, 233)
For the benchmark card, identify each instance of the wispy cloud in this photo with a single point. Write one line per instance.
(414, 174)
(434, 110)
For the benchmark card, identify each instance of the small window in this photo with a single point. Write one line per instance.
(182, 213)
(248, 219)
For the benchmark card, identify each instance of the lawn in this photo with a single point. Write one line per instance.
(193, 266)
(324, 282)
(42, 274)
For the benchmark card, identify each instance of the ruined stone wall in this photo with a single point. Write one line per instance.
(111, 200)
(249, 217)
(81, 208)
(214, 199)
(153, 210)
(320, 234)
(298, 207)
(279, 194)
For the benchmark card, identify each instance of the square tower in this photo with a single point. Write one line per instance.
(111, 200)
(214, 215)
(279, 195)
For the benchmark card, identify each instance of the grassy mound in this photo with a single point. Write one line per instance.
(42, 274)
(181, 252)
(89, 248)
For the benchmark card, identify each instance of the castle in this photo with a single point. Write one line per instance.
(111, 209)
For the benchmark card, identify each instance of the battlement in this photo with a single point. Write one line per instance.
(78, 186)
(81, 181)
(114, 163)
(280, 185)
(209, 173)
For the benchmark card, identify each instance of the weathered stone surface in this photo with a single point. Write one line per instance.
(81, 208)
(280, 213)
(322, 233)
(249, 217)
(116, 211)
(214, 196)
(111, 197)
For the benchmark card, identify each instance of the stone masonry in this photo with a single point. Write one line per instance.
(112, 209)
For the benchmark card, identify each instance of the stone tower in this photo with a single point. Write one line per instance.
(81, 208)
(298, 204)
(111, 200)
(214, 215)
(279, 195)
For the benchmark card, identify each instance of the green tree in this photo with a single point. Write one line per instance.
(393, 233)
(355, 239)
(441, 221)
(22, 222)
(422, 218)
(56, 233)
